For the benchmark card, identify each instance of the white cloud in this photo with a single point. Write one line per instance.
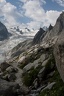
(60, 2)
(34, 24)
(9, 13)
(34, 10)
(51, 17)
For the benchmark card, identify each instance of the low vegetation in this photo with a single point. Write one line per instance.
(57, 89)
(30, 76)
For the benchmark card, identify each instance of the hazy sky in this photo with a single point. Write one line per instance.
(30, 13)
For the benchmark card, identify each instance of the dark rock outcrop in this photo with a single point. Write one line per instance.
(39, 35)
(3, 32)
(8, 88)
(50, 27)
(4, 65)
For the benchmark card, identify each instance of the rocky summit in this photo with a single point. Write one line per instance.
(35, 67)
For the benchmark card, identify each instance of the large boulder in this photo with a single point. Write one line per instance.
(8, 88)
(4, 66)
(59, 46)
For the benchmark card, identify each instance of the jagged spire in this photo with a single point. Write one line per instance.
(38, 36)
(50, 27)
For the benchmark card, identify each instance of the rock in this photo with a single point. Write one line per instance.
(11, 77)
(59, 54)
(35, 64)
(45, 62)
(37, 91)
(4, 34)
(49, 86)
(8, 88)
(41, 74)
(11, 69)
(35, 83)
(41, 71)
(59, 46)
(4, 65)
(40, 88)
(24, 90)
(51, 74)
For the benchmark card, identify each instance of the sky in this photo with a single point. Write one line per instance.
(30, 13)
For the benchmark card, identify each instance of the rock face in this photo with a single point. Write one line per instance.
(40, 34)
(59, 47)
(3, 32)
(53, 34)
(59, 54)
(50, 27)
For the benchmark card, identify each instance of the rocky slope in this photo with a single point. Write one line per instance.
(32, 65)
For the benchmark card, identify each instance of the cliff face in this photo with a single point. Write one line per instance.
(3, 32)
(56, 36)
(59, 47)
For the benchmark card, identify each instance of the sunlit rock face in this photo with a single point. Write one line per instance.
(59, 46)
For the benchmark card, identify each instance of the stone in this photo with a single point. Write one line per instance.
(4, 65)
(8, 88)
(40, 74)
(49, 86)
(11, 77)
(11, 69)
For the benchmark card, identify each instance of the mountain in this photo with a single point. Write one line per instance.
(33, 66)
(4, 34)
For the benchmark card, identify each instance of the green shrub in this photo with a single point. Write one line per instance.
(30, 76)
(50, 65)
